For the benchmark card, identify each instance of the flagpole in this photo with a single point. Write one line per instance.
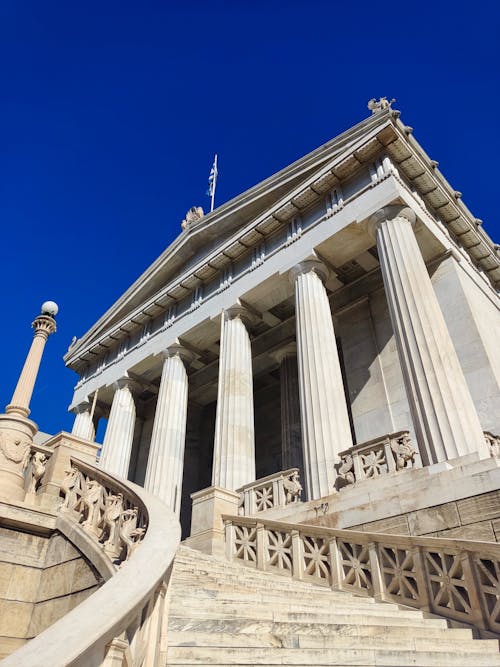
(214, 184)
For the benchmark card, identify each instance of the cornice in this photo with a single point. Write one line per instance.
(331, 166)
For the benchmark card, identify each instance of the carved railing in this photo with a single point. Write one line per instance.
(457, 579)
(493, 442)
(380, 456)
(130, 537)
(277, 490)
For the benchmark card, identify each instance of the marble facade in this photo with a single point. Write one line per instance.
(349, 296)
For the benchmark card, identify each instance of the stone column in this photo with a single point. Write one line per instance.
(291, 437)
(16, 430)
(117, 445)
(325, 421)
(166, 453)
(234, 444)
(445, 420)
(83, 426)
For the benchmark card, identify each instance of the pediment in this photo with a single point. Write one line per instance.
(206, 246)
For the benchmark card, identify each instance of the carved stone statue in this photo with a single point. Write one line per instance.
(194, 214)
(69, 487)
(403, 451)
(383, 103)
(346, 469)
(113, 509)
(92, 506)
(38, 465)
(293, 487)
(130, 534)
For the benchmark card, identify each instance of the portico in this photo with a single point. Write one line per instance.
(248, 360)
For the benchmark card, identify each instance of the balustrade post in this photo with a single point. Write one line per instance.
(424, 603)
(115, 653)
(250, 504)
(229, 539)
(389, 456)
(335, 564)
(260, 547)
(479, 615)
(278, 492)
(297, 556)
(359, 473)
(376, 572)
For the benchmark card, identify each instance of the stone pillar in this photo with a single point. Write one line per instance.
(445, 420)
(83, 426)
(117, 445)
(234, 444)
(166, 453)
(291, 437)
(16, 430)
(325, 421)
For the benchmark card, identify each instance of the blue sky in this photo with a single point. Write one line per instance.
(110, 113)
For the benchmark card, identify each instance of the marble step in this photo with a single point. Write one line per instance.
(332, 657)
(393, 640)
(377, 628)
(251, 612)
(268, 596)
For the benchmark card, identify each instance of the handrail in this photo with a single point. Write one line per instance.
(457, 579)
(123, 617)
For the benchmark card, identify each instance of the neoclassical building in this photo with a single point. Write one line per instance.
(349, 297)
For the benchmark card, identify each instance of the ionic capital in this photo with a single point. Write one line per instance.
(127, 382)
(308, 265)
(393, 212)
(179, 350)
(238, 310)
(286, 352)
(82, 407)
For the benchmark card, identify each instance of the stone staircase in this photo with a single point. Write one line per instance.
(222, 613)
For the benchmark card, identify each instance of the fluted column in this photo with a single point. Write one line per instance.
(291, 437)
(325, 421)
(83, 426)
(166, 453)
(445, 420)
(117, 445)
(234, 444)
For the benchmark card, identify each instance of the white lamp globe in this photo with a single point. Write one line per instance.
(50, 308)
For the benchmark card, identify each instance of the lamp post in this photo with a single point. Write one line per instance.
(16, 430)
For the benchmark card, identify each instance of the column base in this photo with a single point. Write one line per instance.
(207, 527)
(16, 438)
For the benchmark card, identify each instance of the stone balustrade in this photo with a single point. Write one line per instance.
(380, 456)
(130, 538)
(277, 490)
(456, 579)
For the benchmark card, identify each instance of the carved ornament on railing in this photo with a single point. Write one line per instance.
(277, 490)
(457, 579)
(380, 456)
(493, 442)
(35, 468)
(107, 514)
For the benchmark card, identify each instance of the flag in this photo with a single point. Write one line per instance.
(212, 179)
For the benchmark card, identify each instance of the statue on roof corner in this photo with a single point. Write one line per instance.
(383, 103)
(194, 214)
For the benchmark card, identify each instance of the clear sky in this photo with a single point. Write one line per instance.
(111, 111)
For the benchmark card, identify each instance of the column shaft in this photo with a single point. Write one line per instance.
(234, 445)
(83, 426)
(117, 445)
(325, 420)
(291, 439)
(166, 453)
(444, 417)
